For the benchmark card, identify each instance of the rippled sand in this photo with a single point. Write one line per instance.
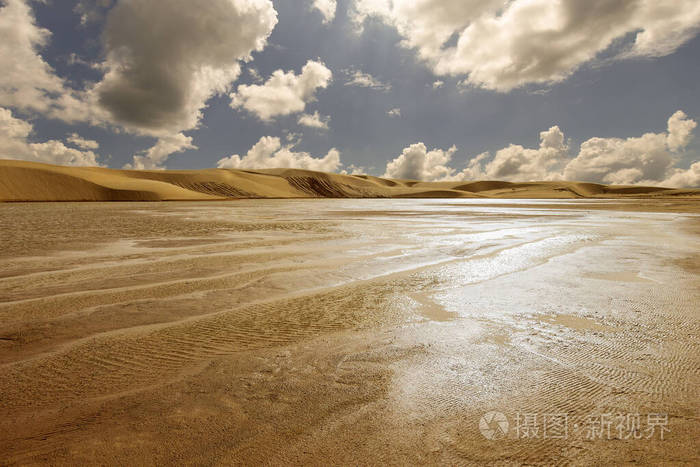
(347, 331)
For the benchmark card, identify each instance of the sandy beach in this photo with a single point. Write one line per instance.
(350, 331)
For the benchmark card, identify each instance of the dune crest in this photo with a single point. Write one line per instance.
(32, 181)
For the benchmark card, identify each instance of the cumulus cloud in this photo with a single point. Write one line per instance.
(648, 159)
(353, 169)
(166, 58)
(27, 81)
(511, 163)
(680, 178)
(474, 169)
(154, 157)
(621, 161)
(14, 144)
(396, 112)
(680, 130)
(314, 120)
(438, 84)
(327, 9)
(518, 163)
(504, 45)
(365, 80)
(284, 93)
(416, 162)
(76, 140)
(269, 153)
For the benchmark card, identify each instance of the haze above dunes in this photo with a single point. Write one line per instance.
(30, 181)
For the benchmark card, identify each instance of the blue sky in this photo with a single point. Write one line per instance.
(525, 89)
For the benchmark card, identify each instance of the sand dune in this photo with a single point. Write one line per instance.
(31, 181)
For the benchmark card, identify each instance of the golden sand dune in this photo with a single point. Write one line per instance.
(31, 181)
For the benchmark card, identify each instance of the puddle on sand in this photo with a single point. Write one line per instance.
(432, 310)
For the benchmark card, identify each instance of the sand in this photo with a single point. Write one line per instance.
(341, 331)
(31, 181)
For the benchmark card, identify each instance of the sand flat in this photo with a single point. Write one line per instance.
(339, 331)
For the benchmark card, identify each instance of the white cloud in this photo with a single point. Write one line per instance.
(474, 169)
(166, 58)
(518, 163)
(353, 169)
(680, 178)
(425, 24)
(270, 153)
(662, 27)
(327, 9)
(292, 138)
(365, 80)
(255, 74)
(284, 93)
(76, 140)
(504, 45)
(416, 162)
(394, 112)
(154, 157)
(680, 130)
(621, 161)
(648, 159)
(14, 144)
(438, 84)
(314, 120)
(27, 82)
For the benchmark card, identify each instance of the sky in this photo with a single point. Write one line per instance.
(603, 91)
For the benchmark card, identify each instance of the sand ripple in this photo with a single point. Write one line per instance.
(343, 332)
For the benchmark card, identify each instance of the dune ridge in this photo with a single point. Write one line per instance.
(33, 181)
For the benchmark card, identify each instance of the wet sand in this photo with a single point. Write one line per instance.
(350, 332)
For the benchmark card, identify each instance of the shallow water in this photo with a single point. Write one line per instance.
(347, 331)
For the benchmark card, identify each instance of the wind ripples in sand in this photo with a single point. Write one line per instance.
(330, 329)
